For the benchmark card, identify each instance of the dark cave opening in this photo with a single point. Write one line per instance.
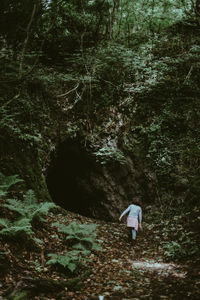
(69, 179)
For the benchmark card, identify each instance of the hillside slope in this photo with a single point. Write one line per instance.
(162, 264)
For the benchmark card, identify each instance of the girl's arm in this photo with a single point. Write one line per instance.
(124, 212)
(140, 218)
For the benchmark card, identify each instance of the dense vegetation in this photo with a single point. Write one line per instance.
(120, 76)
(102, 66)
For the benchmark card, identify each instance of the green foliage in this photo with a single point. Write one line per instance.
(109, 154)
(18, 229)
(28, 211)
(80, 234)
(6, 182)
(97, 77)
(36, 266)
(83, 57)
(11, 123)
(71, 260)
(183, 243)
(175, 250)
(83, 238)
(29, 208)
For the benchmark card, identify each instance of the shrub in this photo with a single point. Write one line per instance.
(70, 260)
(29, 208)
(27, 211)
(83, 236)
(175, 250)
(6, 182)
(108, 154)
(19, 228)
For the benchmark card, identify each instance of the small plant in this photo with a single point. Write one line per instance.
(36, 266)
(175, 250)
(82, 235)
(19, 228)
(83, 238)
(107, 154)
(6, 182)
(29, 208)
(70, 260)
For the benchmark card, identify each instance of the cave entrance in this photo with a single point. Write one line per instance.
(69, 179)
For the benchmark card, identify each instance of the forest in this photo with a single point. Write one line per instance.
(99, 110)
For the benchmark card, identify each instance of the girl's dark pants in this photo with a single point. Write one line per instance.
(132, 233)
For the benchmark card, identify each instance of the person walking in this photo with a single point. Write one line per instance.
(134, 219)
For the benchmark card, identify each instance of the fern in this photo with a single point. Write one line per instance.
(6, 182)
(71, 259)
(15, 205)
(2, 194)
(17, 228)
(28, 211)
(83, 235)
(75, 230)
(29, 208)
(30, 198)
(4, 222)
(42, 209)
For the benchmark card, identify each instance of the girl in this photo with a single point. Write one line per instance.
(134, 217)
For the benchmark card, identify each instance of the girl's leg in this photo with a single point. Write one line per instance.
(133, 231)
(130, 233)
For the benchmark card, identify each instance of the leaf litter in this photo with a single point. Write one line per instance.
(119, 271)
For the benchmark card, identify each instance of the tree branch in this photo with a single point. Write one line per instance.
(65, 94)
(26, 39)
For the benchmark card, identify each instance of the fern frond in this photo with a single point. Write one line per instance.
(70, 260)
(72, 266)
(15, 205)
(81, 239)
(29, 208)
(43, 209)
(4, 222)
(19, 227)
(7, 181)
(22, 222)
(77, 229)
(96, 246)
(84, 234)
(79, 246)
(30, 198)
(16, 230)
(38, 241)
(2, 193)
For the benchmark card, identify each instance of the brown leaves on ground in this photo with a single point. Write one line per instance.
(120, 271)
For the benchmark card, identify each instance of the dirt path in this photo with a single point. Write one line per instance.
(149, 269)
(140, 271)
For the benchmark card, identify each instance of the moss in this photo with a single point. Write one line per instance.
(25, 162)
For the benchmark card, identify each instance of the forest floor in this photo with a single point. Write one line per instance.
(155, 267)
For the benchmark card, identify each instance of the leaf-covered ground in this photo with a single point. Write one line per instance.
(162, 264)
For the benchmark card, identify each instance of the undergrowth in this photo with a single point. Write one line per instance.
(82, 238)
(27, 211)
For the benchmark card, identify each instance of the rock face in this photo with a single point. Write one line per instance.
(80, 184)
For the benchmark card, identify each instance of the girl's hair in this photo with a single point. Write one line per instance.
(137, 200)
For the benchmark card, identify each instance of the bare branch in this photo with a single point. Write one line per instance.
(26, 40)
(65, 94)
